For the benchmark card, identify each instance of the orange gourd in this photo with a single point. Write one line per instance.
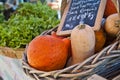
(47, 53)
(82, 43)
(100, 38)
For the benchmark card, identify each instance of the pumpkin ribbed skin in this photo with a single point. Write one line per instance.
(82, 43)
(47, 53)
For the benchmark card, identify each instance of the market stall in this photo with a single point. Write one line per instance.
(79, 47)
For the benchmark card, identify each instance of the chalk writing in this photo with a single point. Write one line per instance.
(81, 11)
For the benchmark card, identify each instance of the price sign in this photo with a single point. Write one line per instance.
(82, 12)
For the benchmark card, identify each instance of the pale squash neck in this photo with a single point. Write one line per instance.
(82, 26)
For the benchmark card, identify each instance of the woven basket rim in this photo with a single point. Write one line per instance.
(74, 70)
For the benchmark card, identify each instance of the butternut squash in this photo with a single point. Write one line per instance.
(82, 43)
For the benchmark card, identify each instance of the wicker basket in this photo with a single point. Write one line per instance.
(106, 63)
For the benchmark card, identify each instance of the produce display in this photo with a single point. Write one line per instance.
(48, 52)
(27, 22)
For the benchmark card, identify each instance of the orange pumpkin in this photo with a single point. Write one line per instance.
(110, 8)
(65, 39)
(55, 35)
(47, 53)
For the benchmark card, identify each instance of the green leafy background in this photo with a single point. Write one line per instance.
(27, 22)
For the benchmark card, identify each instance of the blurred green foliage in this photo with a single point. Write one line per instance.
(27, 22)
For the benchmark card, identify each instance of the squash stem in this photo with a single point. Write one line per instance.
(81, 26)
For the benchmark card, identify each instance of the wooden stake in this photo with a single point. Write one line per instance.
(118, 6)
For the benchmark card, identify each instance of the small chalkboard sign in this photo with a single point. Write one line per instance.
(81, 12)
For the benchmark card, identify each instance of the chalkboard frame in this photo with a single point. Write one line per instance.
(96, 26)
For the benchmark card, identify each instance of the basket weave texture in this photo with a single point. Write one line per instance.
(99, 63)
(105, 63)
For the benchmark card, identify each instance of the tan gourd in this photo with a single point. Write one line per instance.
(82, 43)
(112, 24)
